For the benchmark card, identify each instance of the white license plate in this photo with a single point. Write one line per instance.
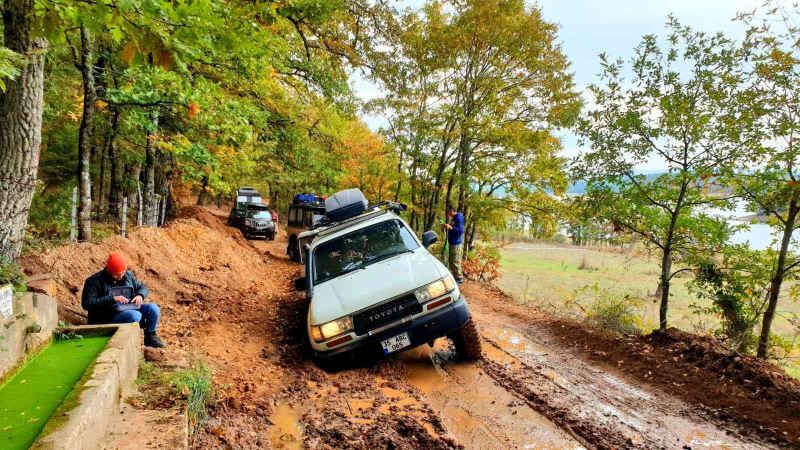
(395, 343)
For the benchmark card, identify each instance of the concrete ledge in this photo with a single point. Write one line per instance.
(35, 317)
(87, 415)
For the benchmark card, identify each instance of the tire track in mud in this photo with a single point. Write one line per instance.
(593, 403)
(475, 408)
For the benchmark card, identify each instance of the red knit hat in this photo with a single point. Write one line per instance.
(116, 263)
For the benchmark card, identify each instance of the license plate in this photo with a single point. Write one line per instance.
(395, 343)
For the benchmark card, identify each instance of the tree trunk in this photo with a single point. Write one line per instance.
(150, 200)
(20, 125)
(666, 269)
(777, 279)
(201, 198)
(85, 133)
(117, 169)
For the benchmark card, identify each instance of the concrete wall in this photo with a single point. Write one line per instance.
(35, 317)
(86, 425)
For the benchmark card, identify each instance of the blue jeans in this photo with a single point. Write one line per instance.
(146, 316)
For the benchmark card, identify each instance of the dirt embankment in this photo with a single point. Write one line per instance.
(230, 302)
(543, 383)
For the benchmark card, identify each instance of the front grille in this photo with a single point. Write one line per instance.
(388, 312)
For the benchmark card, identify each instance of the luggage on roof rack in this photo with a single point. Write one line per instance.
(300, 199)
(345, 204)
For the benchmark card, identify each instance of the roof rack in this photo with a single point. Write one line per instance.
(373, 210)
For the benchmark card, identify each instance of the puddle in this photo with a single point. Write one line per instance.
(286, 431)
(396, 398)
(356, 406)
(478, 411)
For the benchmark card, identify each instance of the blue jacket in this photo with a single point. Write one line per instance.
(455, 235)
(96, 300)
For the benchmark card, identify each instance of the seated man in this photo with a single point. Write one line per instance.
(104, 307)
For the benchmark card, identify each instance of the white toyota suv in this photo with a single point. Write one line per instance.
(373, 285)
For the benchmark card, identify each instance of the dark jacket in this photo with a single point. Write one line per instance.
(96, 300)
(455, 234)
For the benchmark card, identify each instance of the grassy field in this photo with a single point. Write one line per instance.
(551, 275)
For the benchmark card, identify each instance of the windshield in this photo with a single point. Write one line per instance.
(361, 248)
(259, 215)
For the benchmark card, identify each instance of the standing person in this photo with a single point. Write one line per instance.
(455, 237)
(104, 306)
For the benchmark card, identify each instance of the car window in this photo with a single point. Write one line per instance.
(361, 248)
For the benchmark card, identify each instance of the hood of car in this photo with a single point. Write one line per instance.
(376, 283)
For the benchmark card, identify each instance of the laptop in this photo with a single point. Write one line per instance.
(125, 291)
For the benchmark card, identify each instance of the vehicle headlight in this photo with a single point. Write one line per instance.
(330, 329)
(249, 223)
(435, 289)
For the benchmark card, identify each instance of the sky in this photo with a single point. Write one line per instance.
(590, 27)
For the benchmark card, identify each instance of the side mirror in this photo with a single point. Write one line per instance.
(429, 238)
(300, 284)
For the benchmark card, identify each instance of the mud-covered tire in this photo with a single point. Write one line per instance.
(271, 236)
(467, 342)
(293, 251)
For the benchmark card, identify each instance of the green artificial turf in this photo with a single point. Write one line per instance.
(33, 394)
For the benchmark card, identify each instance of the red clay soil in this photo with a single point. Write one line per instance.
(731, 389)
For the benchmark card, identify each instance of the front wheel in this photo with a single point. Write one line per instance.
(467, 342)
(271, 236)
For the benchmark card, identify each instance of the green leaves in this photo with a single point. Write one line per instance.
(10, 63)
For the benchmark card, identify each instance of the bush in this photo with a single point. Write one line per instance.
(196, 385)
(614, 314)
(10, 272)
(482, 263)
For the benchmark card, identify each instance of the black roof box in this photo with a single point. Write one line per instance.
(345, 204)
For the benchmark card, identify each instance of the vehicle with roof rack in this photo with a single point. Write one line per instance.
(244, 196)
(373, 285)
(306, 211)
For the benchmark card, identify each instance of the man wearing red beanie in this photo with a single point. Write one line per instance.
(114, 295)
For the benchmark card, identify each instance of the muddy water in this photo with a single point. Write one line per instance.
(645, 418)
(286, 431)
(476, 410)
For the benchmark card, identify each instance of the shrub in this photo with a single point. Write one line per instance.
(482, 263)
(615, 314)
(586, 265)
(10, 272)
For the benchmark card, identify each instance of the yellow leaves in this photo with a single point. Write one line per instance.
(129, 52)
(101, 105)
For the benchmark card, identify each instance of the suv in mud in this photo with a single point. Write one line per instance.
(258, 222)
(373, 285)
(244, 196)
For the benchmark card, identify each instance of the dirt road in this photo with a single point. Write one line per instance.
(543, 383)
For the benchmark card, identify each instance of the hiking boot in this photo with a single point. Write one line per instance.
(152, 340)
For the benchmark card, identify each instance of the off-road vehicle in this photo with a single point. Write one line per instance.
(306, 211)
(373, 285)
(258, 222)
(244, 196)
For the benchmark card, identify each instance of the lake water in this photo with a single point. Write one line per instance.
(759, 236)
